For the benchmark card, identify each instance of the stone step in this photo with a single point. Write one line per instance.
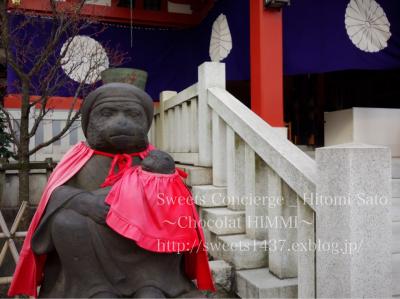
(197, 175)
(396, 168)
(222, 274)
(396, 188)
(260, 283)
(396, 210)
(223, 221)
(242, 252)
(396, 274)
(209, 196)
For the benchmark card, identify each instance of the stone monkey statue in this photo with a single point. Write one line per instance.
(85, 258)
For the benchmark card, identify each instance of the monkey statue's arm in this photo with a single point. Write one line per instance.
(159, 162)
(90, 204)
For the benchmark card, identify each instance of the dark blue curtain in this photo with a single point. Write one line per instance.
(314, 41)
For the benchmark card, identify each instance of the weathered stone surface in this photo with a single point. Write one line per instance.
(222, 221)
(396, 237)
(211, 243)
(396, 188)
(219, 150)
(235, 167)
(260, 283)
(396, 209)
(282, 259)
(396, 274)
(210, 74)
(242, 252)
(209, 196)
(222, 274)
(306, 259)
(260, 201)
(197, 175)
(354, 193)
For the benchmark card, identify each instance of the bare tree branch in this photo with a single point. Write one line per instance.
(10, 124)
(66, 19)
(58, 136)
(41, 70)
(5, 41)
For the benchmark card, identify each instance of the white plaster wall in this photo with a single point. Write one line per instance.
(376, 126)
(338, 127)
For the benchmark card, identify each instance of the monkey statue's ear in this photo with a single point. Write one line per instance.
(149, 123)
(159, 162)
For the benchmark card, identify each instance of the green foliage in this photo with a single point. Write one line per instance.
(5, 138)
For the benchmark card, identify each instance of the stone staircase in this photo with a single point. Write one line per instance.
(239, 156)
(239, 264)
(207, 197)
(260, 283)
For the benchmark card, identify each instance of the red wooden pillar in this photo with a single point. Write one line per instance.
(266, 63)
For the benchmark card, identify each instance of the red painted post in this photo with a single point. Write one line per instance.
(266, 63)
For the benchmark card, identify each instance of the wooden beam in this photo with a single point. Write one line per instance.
(122, 14)
(13, 101)
(266, 63)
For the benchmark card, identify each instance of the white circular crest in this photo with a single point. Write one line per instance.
(367, 25)
(84, 59)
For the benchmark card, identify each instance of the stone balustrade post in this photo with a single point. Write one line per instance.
(235, 159)
(163, 139)
(353, 222)
(210, 74)
(218, 150)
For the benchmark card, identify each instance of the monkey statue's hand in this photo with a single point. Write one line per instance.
(92, 204)
(159, 162)
(97, 209)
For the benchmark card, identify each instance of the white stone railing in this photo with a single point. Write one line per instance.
(177, 113)
(51, 125)
(204, 125)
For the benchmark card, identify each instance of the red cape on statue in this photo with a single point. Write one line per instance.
(165, 218)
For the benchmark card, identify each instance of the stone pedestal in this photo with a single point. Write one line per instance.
(353, 233)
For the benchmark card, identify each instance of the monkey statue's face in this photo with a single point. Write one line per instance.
(118, 127)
